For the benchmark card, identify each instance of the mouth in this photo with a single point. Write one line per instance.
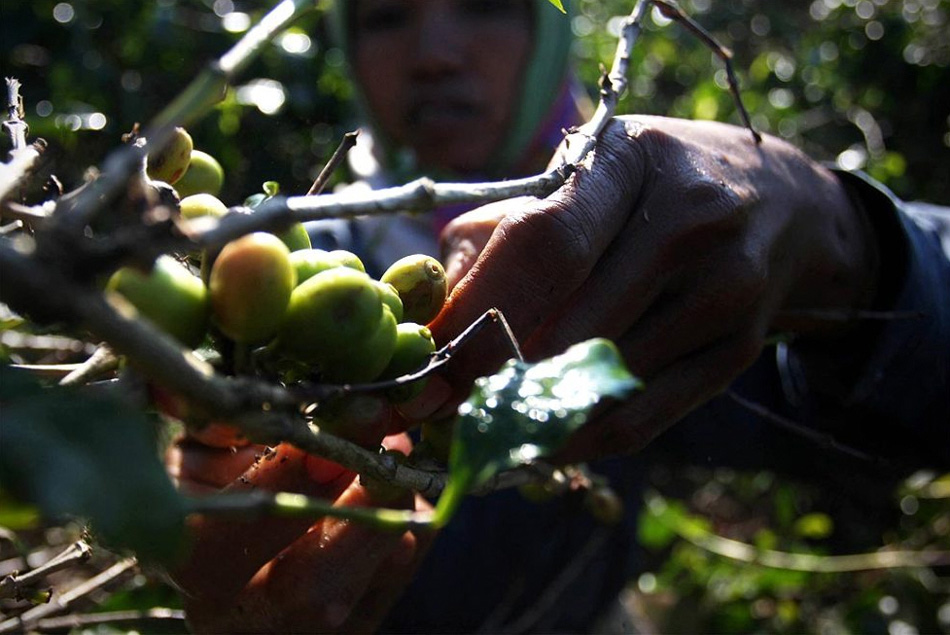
(438, 115)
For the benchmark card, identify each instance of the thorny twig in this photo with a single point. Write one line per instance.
(670, 11)
(58, 604)
(23, 156)
(16, 585)
(349, 140)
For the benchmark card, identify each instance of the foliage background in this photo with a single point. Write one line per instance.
(862, 82)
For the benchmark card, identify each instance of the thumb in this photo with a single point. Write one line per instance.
(465, 237)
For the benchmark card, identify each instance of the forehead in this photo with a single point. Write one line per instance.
(476, 8)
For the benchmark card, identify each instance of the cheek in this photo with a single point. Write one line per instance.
(507, 65)
(382, 80)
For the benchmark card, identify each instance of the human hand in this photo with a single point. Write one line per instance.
(290, 575)
(684, 242)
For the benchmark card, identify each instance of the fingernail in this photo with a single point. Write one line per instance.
(458, 261)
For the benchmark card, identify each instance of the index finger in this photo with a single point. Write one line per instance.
(540, 254)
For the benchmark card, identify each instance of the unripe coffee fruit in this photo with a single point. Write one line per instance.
(420, 282)
(170, 162)
(169, 295)
(250, 285)
(203, 176)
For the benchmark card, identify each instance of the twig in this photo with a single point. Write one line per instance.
(74, 622)
(823, 440)
(806, 562)
(10, 228)
(833, 315)
(672, 12)
(349, 140)
(14, 585)
(22, 157)
(14, 125)
(293, 505)
(554, 591)
(290, 505)
(436, 359)
(32, 215)
(28, 619)
(99, 363)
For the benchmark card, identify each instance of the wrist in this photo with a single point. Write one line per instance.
(839, 275)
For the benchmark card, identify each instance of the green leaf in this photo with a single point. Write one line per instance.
(90, 455)
(527, 411)
(815, 525)
(16, 515)
(558, 4)
(271, 188)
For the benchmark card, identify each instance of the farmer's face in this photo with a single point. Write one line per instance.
(443, 76)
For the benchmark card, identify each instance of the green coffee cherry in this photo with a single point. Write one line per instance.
(414, 345)
(169, 295)
(309, 262)
(365, 360)
(390, 297)
(250, 284)
(328, 315)
(420, 282)
(203, 176)
(345, 258)
(170, 162)
(202, 204)
(296, 237)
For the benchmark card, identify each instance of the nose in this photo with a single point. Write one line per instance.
(440, 44)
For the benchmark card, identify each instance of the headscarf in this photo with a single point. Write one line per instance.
(545, 81)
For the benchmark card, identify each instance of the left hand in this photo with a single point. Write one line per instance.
(682, 241)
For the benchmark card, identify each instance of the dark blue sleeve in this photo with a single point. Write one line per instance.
(893, 388)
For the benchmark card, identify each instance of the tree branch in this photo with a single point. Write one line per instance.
(30, 618)
(14, 585)
(74, 622)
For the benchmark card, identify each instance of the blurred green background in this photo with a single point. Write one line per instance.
(865, 83)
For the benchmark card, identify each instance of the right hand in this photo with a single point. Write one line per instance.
(283, 575)
(684, 242)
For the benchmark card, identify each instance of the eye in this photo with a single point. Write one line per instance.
(497, 8)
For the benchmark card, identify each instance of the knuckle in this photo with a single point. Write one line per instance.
(561, 244)
(750, 272)
(746, 349)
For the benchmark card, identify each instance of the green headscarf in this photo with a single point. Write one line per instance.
(544, 77)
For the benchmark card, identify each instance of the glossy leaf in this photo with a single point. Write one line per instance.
(558, 4)
(527, 411)
(88, 455)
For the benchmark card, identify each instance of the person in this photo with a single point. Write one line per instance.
(684, 242)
